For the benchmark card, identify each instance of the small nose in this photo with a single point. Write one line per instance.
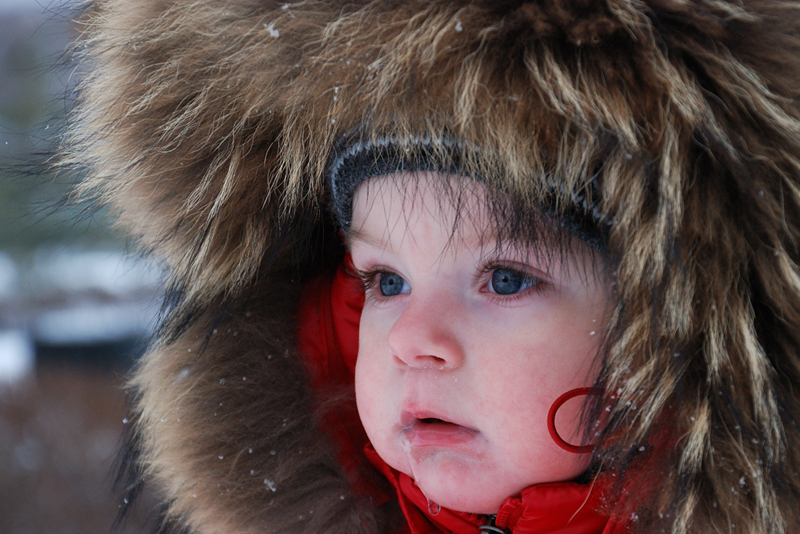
(425, 335)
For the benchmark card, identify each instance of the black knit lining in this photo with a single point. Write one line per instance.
(355, 160)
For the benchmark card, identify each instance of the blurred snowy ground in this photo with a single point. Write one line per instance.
(75, 310)
(67, 301)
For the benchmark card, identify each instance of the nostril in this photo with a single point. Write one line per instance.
(431, 361)
(425, 361)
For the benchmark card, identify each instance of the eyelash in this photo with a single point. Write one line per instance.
(369, 278)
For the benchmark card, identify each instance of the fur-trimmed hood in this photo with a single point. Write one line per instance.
(207, 126)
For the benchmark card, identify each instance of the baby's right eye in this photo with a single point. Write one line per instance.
(392, 284)
(509, 282)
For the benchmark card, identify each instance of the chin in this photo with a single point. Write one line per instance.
(458, 492)
(472, 501)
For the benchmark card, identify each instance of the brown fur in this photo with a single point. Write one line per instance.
(207, 127)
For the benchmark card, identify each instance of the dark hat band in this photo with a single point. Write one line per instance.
(355, 160)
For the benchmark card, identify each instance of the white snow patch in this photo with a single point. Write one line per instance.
(86, 322)
(271, 29)
(17, 356)
(74, 271)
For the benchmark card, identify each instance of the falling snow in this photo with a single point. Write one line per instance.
(271, 29)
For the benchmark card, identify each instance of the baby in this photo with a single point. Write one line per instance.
(479, 335)
(466, 341)
(568, 299)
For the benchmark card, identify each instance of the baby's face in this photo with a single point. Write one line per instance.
(463, 347)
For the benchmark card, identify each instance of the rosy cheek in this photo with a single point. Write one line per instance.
(363, 392)
(368, 394)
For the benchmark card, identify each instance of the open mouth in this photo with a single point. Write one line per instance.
(410, 418)
(423, 430)
(433, 420)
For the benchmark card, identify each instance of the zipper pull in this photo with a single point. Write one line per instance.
(491, 528)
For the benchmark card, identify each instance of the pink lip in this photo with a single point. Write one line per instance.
(425, 429)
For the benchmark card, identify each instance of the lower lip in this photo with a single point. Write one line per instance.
(438, 435)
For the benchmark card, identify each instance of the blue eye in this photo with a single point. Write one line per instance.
(391, 284)
(509, 282)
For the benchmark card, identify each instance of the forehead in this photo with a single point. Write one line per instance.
(396, 204)
(391, 208)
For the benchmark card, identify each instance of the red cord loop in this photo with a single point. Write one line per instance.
(551, 421)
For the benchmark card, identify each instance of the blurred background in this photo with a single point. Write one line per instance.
(75, 308)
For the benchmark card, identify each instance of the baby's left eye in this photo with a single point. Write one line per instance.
(508, 281)
(392, 284)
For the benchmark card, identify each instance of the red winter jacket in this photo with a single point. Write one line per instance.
(329, 317)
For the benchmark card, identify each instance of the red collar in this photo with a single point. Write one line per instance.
(561, 507)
